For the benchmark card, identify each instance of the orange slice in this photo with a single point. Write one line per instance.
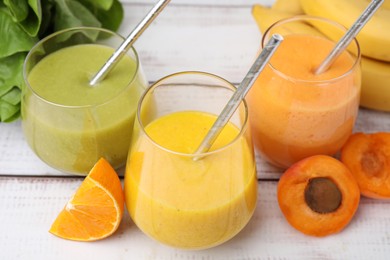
(95, 210)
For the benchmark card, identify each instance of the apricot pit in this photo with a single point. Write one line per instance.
(318, 195)
(322, 195)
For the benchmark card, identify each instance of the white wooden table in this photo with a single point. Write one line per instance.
(217, 36)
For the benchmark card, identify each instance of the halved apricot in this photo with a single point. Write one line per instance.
(368, 158)
(318, 195)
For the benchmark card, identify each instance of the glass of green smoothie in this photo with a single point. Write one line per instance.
(67, 122)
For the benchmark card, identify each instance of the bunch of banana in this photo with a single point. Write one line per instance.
(292, 6)
(374, 39)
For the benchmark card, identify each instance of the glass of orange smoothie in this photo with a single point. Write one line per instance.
(174, 196)
(69, 124)
(295, 113)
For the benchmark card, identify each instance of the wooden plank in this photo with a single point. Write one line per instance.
(29, 206)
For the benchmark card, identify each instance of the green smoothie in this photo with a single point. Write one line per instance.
(70, 124)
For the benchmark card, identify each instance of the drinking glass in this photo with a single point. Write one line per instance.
(294, 113)
(179, 198)
(69, 124)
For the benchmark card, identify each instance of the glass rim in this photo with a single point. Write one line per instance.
(229, 86)
(80, 28)
(356, 57)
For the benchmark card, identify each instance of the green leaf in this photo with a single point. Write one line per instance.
(98, 4)
(13, 118)
(112, 18)
(11, 80)
(32, 23)
(70, 13)
(11, 72)
(18, 9)
(4, 89)
(8, 112)
(13, 38)
(47, 9)
(13, 96)
(110, 15)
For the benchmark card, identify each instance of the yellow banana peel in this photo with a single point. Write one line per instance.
(293, 6)
(375, 91)
(386, 4)
(265, 17)
(374, 38)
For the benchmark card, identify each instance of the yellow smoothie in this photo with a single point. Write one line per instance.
(295, 113)
(186, 203)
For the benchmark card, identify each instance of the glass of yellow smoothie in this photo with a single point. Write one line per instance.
(294, 112)
(176, 197)
(68, 123)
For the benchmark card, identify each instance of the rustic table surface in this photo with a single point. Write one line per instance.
(217, 36)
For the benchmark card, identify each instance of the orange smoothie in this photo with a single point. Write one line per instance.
(189, 203)
(295, 113)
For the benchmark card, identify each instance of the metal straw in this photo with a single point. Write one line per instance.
(239, 94)
(349, 35)
(128, 42)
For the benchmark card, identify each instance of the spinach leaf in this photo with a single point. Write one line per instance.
(47, 27)
(8, 112)
(11, 72)
(12, 97)
(33, 21)
(13, 38)
(11, 79)
(70, 13)
(18, 9)
(98, 4)
(112, 18)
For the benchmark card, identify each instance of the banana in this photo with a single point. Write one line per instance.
(293, 6)
(375, 91)
(265, 17)
(386, 4)
(374, 38)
